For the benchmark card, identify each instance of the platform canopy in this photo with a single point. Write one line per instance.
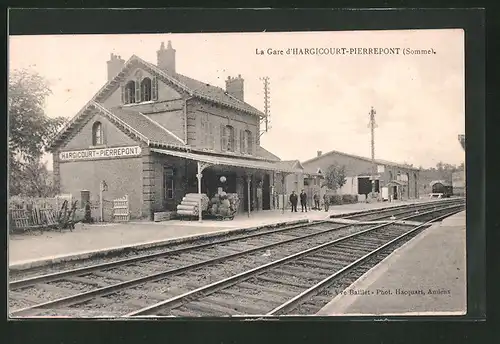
(277, 166)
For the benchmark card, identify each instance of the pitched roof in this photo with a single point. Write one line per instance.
(378, 161)
(314, 171)
(146, 126)
(216, 94)
(198, 89)
(131, 122)
(290, 165)
(444, 182)
(264, 153)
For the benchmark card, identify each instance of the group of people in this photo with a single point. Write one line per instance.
(303, 201)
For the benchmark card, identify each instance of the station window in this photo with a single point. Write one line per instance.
(227, 139)
(146, 89)
(168, 183)
(248, 142)
(97, 136)
(128, 93)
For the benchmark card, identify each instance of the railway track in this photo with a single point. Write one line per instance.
(121, 287)
(118, 258)
(398, 212)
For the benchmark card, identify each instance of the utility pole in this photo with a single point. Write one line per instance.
(267, 105)
(372, 126)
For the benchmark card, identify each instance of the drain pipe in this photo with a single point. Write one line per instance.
(185, 120)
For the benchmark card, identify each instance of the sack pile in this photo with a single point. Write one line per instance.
(190, 204)
(224, 204)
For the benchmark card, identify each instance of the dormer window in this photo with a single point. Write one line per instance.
(146, 89)
(97, 137)
(140, 90)
(227, 138)
(128, 94)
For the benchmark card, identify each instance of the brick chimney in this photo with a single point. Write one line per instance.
(115, 65)
(234, 86)
(319, 153)
(166, 58)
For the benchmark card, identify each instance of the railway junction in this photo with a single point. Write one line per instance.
(400, 259)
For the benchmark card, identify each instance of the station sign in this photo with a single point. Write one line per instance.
(100, 153)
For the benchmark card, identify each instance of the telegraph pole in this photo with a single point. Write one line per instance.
(373, 125)
(267, 105)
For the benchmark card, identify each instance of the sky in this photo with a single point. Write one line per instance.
(318, 103)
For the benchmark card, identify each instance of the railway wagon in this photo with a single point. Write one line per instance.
(441, 187)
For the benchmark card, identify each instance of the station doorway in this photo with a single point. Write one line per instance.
(266, 192)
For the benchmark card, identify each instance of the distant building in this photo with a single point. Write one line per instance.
(398, 180)
(458, 178)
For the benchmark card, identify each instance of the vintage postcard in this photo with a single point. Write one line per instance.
(237, 174)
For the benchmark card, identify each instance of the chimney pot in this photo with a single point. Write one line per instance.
(235, 87)
(319, 153)
(115, 65)
(166, 58)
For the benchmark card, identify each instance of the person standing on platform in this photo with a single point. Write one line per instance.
(293, 201)
(316, 201)
(327, 204)
(303, 200)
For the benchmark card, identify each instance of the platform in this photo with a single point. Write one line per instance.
(32, 249)
(435, 260)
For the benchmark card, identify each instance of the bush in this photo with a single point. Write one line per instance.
(349, 199)
(335, 199)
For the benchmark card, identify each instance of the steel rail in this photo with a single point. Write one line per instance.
(399, 207)
(22, 283)
(30, 281)
(203, 291)
(403, 208)
(81, 297)
(88, 269)
(102, 291)
(314, 290)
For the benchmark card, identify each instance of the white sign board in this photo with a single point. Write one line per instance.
(100, 153)
(380, 168)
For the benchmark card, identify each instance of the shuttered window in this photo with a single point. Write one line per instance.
(138, 91)
(227, 138)
(129, 96)
(154, 88)
(146, 89)
(203, 132)
(248, 142)
(211, 137)
(242, 142)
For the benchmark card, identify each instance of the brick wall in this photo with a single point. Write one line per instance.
(123, 176)
(113, 136)
(219, 116)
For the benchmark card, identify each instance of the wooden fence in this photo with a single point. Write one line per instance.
(121, 211)
(29, 213)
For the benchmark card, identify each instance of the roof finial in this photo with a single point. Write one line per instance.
(169, 45)
(162, 46)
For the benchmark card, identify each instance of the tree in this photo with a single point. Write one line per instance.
(335, 177)
(30, 132)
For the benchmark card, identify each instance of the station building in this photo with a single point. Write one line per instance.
(397, 180)
(155, 135)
